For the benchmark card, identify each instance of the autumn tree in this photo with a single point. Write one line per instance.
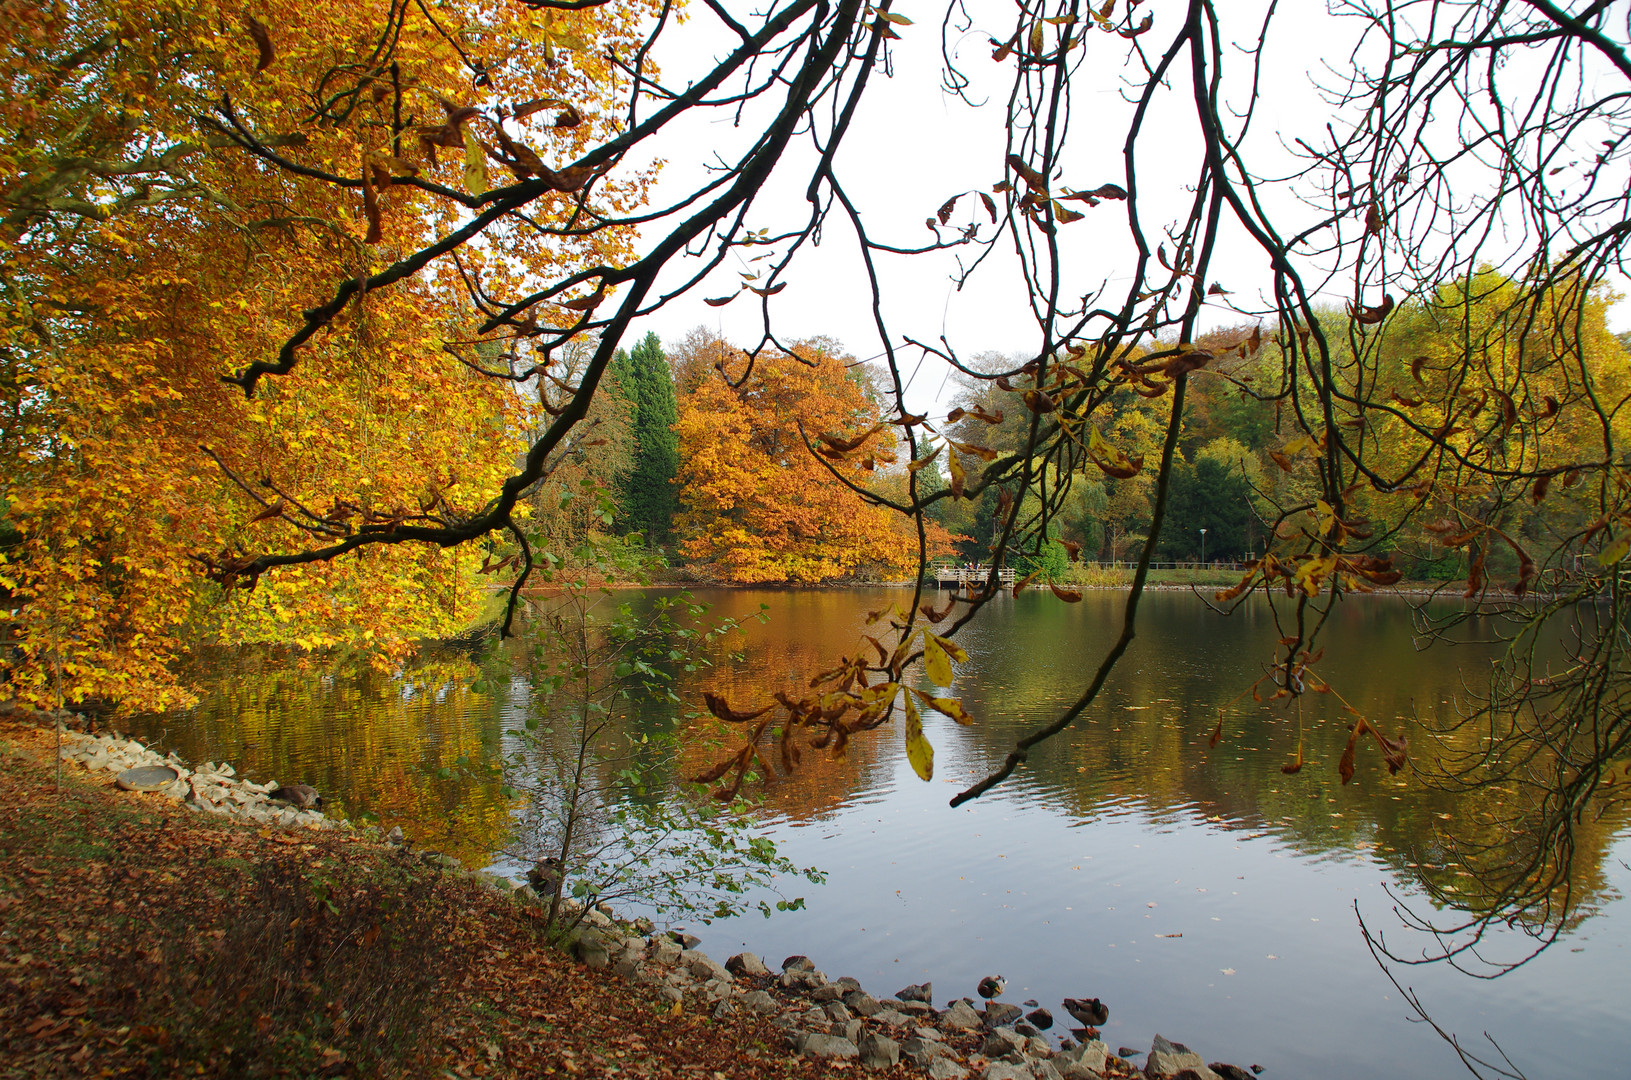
(156, 235)
(757, 503)
(646, 493)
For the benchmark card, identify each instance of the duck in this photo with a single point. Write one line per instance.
(991, 986)
(1089, 1011)
(302, 795)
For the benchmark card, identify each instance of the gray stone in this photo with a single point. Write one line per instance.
(1001, 1042)
(916, 1008)
(1038, 1047)
(960, 1017)
(1025, 1029)
(800, 979)
(1000, 1014)
(715, 990)
(1042, 1018)
(816, 1044)
(704, 967)
(862, 1002)
(929, 1033)
(921, 1051)
(665, 951)
(850, 1029)
(917, 992)
(686, 941)
(746, 963)
(847, 983)
(945, 1069)
(824, 994)
(1084, 1062)
(670, 993)
(798, 963)
(1170, 1058)
(892, 1018)
(1007, 1070)
(837, 1013)
(626, 968)
(760, 1002)
(879, 1051)
(1044, 1070)
(812, 1018)
(1229, 1072)
(591, 952)
(723, 1009)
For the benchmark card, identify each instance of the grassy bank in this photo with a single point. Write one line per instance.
(137, 939)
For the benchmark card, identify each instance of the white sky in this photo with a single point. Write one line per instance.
(913, 146)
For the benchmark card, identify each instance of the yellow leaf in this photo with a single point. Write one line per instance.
(918, 750)
(935, 662)
(950, 706)
(475, 164)
(1616, 550)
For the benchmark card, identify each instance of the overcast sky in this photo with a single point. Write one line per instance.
(913, 146)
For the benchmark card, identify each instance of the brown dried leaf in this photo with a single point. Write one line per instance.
(263, 42)
(721, 708)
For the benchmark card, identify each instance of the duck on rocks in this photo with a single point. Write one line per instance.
(1089, 1011)
(991, 986)
(302, 795)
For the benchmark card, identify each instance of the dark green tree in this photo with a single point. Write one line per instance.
(1206, 496)
(646, 495)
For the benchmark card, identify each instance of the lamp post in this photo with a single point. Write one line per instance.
(1203, 547)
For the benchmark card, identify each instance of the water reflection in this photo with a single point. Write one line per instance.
(1201, 890)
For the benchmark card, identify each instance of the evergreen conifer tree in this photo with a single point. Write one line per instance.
(646, 494)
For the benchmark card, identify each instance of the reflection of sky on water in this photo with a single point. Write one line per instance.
(1270, 968)
(1127, 828)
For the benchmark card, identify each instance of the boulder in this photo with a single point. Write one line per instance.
(665, 951)
(891, 1017)
(816, 1044)
(798, 963)
(746, 963)
(704, 967)
(847, 983)
(946, 1069)
(591, 951)
(837, 1012)
(921, 1051)
(879, 1051)
(960, 1017)
(1042, 1018)
(1007, 1070)
(1044, 1070)
(821, 994)
(1025, 1029)
(1170, 1058)
(863, 1003)
(1001, 1042)
(686, 941)
(1229, 1072)
(917, 992)
(801, 980)
(758, 1001)
(1000, 1014)
(1084, 1062)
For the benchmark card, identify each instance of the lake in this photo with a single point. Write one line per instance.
(1201, 892)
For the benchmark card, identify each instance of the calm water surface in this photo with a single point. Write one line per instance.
(1201, 892)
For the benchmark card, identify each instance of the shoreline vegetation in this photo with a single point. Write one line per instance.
(139, 939)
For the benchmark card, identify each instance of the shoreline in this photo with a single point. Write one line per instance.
(810, 1020)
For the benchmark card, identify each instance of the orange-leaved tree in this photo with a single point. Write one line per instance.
(178, 183)
(758, 503)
